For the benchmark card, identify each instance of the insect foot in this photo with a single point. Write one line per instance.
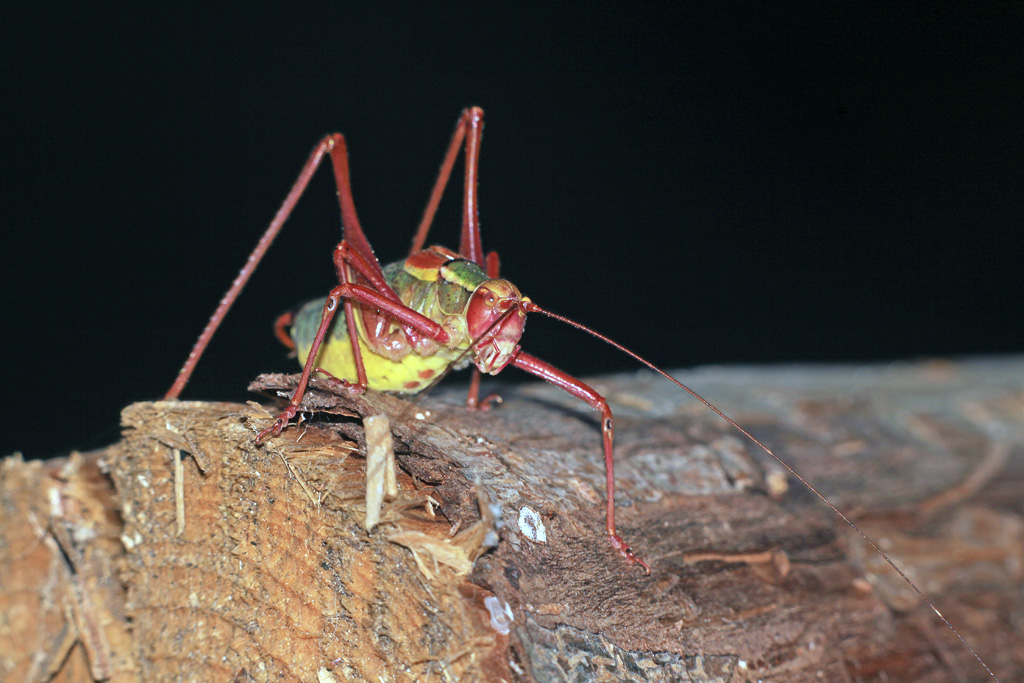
(626, 552)
(484, 404)
(352, 387)
(279, 424)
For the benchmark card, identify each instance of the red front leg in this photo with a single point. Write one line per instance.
(281, 325)
(473, 400)
(549, 373)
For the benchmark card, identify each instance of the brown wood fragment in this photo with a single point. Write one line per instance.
(62, 606)
(251, 563)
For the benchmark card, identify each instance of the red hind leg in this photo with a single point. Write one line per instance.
(334, 146)
(469, 128)
(308, 169)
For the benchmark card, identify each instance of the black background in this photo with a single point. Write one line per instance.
(705, 185)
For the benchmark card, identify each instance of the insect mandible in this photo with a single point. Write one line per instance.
(406, 324)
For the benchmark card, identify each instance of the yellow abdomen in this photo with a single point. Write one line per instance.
(410, 375)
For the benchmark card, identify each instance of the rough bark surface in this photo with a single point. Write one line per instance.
(188, 552)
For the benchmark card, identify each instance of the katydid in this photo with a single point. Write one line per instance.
(406, 324)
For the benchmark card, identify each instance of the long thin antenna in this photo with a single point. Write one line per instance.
(534, 308)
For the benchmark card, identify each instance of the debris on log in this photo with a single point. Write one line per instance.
(188, 552)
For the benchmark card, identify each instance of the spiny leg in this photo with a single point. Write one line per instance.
(577, 388)
(469, 128)
(333, 145)
(470, 244)
(308, 169)
(420, 238)
(352, 231)
(346, 255)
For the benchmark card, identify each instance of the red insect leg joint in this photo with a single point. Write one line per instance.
(531, 525)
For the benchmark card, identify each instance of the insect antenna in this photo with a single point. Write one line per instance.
(534, 308)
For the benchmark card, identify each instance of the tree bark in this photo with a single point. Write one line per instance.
(188, 552)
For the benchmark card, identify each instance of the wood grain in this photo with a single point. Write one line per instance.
(250, 562)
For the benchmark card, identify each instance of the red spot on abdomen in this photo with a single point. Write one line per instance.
(426, 374)
(411, 385)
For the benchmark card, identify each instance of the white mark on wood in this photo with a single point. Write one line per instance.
(776, 483)
(494, 511)
(131, 542)
(501, 614)
(56, 507)
(325, 675)
(531, 525)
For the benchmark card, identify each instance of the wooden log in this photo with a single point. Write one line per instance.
(187, 552)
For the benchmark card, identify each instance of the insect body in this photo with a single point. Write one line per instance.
(438, 284)
(403, 326)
